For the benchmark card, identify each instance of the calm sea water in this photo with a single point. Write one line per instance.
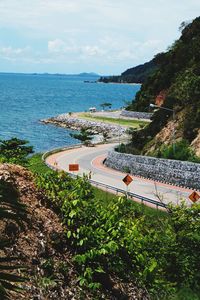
(25, 99)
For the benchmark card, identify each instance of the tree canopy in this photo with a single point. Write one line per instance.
(15, 151)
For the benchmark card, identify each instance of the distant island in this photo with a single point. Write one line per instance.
(84, 74)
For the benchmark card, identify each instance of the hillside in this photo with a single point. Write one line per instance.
(34, 240)
(136, 74)
(62, 239)
(175, 85)
(38, 243)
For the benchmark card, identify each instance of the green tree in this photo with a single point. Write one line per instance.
(85, 136)
(105, 136)
(106, 104)
(15, 151)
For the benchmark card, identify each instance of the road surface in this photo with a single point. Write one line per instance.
(90, 160)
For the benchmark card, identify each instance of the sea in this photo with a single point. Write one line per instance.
(25, 99)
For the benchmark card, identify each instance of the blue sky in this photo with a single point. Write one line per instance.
(73, 36)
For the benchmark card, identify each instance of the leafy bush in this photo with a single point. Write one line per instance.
(179, 151)
(116, 240)
(14, 151)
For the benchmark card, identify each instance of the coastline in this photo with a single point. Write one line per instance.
(98, 128)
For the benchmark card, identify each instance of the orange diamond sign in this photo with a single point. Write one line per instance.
(127, 179)
(194, 197)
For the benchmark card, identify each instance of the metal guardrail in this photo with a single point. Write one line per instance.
(56, 150)
(106, 186)
(130, 194)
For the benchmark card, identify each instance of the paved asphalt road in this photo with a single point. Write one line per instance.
(90, 160)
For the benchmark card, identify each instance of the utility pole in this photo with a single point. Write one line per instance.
(173, 115)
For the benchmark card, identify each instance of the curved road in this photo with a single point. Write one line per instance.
(90, 159)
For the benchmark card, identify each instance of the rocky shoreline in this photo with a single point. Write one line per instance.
(97, 127)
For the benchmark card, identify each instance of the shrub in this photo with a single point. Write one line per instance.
(115, 240)
(179, 151)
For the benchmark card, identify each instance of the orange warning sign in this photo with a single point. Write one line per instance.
(127, 179)
(194, 197)
(73, 167)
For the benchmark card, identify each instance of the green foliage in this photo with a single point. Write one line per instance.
(85, 136)
(178, 74)
(14, 151)
(180, 151)
(36, 165)
(105, 104)
(105, 136)
(114, 238)
(185, 294)
(136, 74)
(127, 148)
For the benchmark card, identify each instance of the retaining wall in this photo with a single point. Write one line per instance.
(165, 170)
(136, 114)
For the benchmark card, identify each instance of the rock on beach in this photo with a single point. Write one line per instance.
(97, 127)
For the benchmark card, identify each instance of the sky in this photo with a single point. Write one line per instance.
(73, 36)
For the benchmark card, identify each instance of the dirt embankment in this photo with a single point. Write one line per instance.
(40, 245)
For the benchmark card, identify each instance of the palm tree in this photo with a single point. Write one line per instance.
(10, 210)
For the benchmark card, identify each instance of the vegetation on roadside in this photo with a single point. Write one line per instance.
(175, 84)
(37, 165)
(180, 151)
(117, 246)
(115, 241)
(85, 136)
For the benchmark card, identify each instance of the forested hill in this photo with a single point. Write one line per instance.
(136, 74)
(176, 85)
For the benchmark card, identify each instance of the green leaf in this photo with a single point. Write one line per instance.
(69, 233)
(72, 214)
(152, 266)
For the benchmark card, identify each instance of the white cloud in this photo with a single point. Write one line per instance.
(56, 45)
(106, 50)
(11, 53)
(109, 35)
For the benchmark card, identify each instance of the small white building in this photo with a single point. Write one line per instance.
(92, 109)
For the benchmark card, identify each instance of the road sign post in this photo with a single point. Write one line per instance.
(127, 180)
(73, 167)
(194, 197)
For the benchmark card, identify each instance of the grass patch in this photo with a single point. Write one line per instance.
(36, 164)
(119, 121)
(139, 207)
